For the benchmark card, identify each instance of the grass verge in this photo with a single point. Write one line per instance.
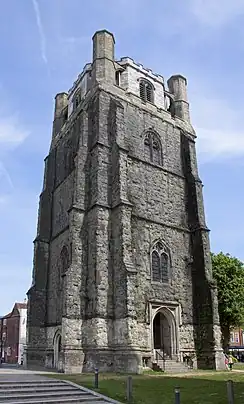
(197, 388)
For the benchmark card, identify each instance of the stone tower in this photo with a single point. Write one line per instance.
(122, 272)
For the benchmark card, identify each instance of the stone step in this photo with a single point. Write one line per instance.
(32, 386)
(28, 391)
(36, 389)
(172, 366)
(62, 400)
(32, 383)
(44, 395)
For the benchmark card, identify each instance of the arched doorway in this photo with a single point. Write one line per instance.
(164, 335)
(57, 350)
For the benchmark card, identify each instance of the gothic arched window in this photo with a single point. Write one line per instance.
(147, 148)
(164, 267)
(160, 263)
(146, 90)
(152, 148)
(155, 266)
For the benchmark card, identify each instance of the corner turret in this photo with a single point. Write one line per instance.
(177, 85)
(60, 113)
(103, 57)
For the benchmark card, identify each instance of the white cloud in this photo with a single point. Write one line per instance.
(218, 127)
(214, 144)
(216, 13)
(40, 30)
(11, 133)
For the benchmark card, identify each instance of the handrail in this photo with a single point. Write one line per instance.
(159, 354)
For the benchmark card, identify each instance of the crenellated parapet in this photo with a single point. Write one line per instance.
(131, 79)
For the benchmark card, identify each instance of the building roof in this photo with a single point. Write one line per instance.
(21, 305)
(6, 316)
(17, 306)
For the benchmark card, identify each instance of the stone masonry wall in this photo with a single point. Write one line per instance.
(106, 206)
(129, 81)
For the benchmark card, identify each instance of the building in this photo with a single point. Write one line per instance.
(236, 344)
(122, 270)
(236, 337)
(13, 334)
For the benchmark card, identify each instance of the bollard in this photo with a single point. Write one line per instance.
(96, 378)
(177, 395)
(230, 392)
(129, 389)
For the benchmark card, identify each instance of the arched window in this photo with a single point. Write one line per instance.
(160, 263)
(156, 151)
(155, 266)
(164, 267)
(152, 148)
(147, 147)
(146, 90)
(77, 99)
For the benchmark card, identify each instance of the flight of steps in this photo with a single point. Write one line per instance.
(46, 391)
(170, 366)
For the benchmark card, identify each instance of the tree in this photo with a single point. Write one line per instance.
(229, 274)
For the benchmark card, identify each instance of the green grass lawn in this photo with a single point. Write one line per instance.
(239, 366)
(202, 388)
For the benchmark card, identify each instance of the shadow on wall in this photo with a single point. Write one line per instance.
(203, 315)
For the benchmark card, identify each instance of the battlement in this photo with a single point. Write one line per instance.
(127, 61)
(126, 74)
(87, 68)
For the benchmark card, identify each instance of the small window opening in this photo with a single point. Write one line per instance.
(65, 115)
(146, 91)
(77, 100)
(170, 105)
(117, 77)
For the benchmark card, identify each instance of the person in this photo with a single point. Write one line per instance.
(226, 362)
(230, 362)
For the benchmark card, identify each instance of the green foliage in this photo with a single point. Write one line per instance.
(229, 274)
(234, 359)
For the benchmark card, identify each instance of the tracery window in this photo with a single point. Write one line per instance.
(152, 148)
(146, 90)
(160, 263)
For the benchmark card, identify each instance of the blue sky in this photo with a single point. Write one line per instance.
(45, 44)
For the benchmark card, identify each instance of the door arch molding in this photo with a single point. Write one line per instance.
(170, 343)
(57, 346)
